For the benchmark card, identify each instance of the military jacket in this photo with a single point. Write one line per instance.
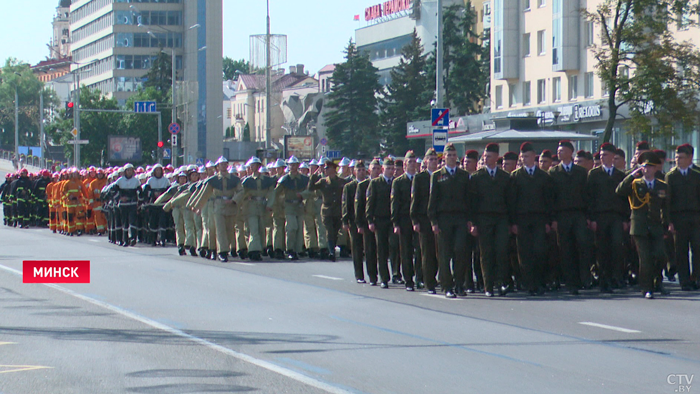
(331, 191)
(361, 203)
(449, 194)
(378, 199)
(401, 199)
(420, 194)
(349, 202)
(648, 206)
(683, 196)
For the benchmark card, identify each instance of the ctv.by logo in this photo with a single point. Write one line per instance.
(682, 382)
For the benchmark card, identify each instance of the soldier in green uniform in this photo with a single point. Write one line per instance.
(450, 216)
(531, 215)
(257, 190)
(289, 190)
(378, 213)
(331, 189)
(420, 194)
(401, 219)
(279, 208)
(369, 242)
(493, 196)
(177, 209)
(608, 215)
(317, 231)
(348, 218)
(222, 188)
(647, 200)
(241, 237)
(570, 218)
(683, 208)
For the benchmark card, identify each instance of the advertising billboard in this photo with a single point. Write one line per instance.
(124, 149)
(300, 146)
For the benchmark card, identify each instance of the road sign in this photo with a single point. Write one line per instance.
(173, 140)
(439, 140)
(440, 117)
(199, 162)
(166, 153)
(144, 106)
(174, 128)
(333, 154)
(79, 142)
(323, 141)
(74, 132)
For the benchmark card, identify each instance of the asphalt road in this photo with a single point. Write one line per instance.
(154, 322)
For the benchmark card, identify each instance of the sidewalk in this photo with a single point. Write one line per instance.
(6, 166)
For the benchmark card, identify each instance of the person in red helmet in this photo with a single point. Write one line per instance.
(98, 218)
(21, 195)
(40, 204)
(7, 217)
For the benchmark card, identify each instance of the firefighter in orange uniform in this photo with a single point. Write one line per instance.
(73, 196)
(99, 221)
(90, 176)
(60, 206)
(50, 199)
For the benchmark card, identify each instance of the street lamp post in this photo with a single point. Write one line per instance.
(16, 124)
(268, 83)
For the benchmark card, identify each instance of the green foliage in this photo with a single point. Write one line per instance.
(643, 66)
(160, 75)
(407, 98)
(466, 74)
(28, 90)
(232, 66)
(246, 132)
(352, 120)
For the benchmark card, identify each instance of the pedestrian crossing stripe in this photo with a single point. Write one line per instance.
(20, 368)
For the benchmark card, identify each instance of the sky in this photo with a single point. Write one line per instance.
(317, 30)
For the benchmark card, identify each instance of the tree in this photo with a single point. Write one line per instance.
(406, 98)
(643, 66)
(160, 75)
(465, 75)
(28, 90)
(246, 132)
(232, 66)
(352, 120)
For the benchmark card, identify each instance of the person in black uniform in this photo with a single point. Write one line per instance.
(683, 208)
(570, 224)
(531, 215)
(368, 240)
(41, 206)
(21, 192)
(378, 211)
(607, 212)
(420, 194)
(331, 188)
(647, 197)
(471, 164)
(449, 214)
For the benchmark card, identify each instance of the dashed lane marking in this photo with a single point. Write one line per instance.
(248, 264)
(21, 368)
(327, 277)
(607, 327)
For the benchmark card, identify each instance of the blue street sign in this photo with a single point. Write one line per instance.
(144, 106)
(440, 117)
(333, 154)
(166, 153)
(199, 162)
(439, 140)
(323, 141)
(174, 128)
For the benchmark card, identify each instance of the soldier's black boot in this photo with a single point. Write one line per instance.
(202, 252)
(181, 250)
(344, 252)
(243, 254)
(279, 254)
(263, 253)
(324, 254)
(255, 256)
(208, 255)
(223, 257)
(313, 254)
(213, 255)
(193, 251)
(233, 254)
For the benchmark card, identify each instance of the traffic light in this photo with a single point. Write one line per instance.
(160, 144)
(69, 110)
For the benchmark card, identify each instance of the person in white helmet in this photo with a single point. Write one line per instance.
(289, 191)
(257, 190)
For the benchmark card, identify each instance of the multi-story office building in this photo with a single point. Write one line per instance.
(114, 43)
(542, 65)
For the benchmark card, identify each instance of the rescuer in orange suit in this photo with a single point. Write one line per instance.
(73, 195)
(99, 221)
(91, 175)
(50, 199)
(60, 204)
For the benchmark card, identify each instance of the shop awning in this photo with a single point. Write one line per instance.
(518, 135)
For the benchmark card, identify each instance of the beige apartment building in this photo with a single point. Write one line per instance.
(542, 65)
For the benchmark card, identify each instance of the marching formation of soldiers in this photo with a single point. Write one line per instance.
(486, 223)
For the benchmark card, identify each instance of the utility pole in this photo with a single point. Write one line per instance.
(16, 124)
(439, 53)
(268, 77)
(41, 126)
(173, 111)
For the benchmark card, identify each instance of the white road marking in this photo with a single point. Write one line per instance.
(607, 327)
(20, 368)
(174, 331)
(8, 343)
(94, 240)
(327, 277)
(252, 265)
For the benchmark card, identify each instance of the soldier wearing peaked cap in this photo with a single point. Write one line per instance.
(331, 189)
(349, 219)
(315, 231)
(369, 242)
(222, 189)
(401, 219)
(647, 200)
(289, 191)
(420, 195)
(378, 213)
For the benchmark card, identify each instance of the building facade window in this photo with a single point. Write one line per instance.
(588, 85)
(526, 44)
(589, 34)
(556, 89)
(512, 97)
(499, 96)
(526, 93)
(541, 91)
(526, 5)
(542, 3)
(541, 44)
(573, 87)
